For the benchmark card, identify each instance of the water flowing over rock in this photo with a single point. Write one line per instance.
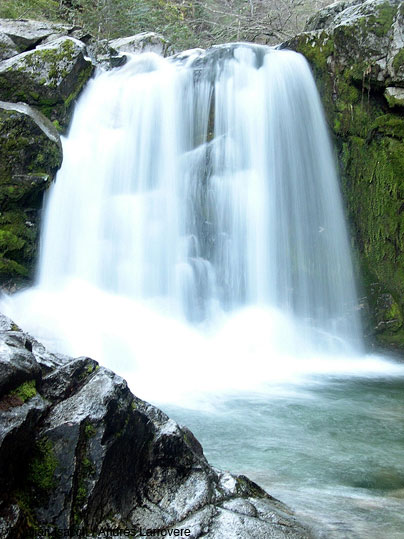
(356, 51)
(201, 196)
(79, 451)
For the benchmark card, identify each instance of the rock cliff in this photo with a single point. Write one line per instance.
(357, 55)
(42, 70)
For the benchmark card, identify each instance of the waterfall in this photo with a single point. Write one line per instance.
(197, 209)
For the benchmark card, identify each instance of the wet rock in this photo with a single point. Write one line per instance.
(30, 154)
(17, 363)
(367, 38)
(328, 15)
(82, 452)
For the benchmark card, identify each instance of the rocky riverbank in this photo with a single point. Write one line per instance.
(79, 452)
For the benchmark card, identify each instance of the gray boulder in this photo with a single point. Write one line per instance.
(49, 77)
(17, 363)
(394, 96)
(7, 47)
(81, 452)
(27, 34)
(143, 42)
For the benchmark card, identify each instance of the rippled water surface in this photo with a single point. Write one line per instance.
(333, 450)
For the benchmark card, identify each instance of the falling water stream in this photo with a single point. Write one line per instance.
(194, 242)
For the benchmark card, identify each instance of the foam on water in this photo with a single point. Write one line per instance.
(194, 240)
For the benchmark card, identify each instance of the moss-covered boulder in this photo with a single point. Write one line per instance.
(356, 52)
(49, 77)
(30, 154)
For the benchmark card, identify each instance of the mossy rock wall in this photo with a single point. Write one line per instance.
(356, 55)
(43, 68)
(28, 162)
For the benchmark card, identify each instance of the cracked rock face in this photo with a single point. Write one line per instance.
(78, 450)
(27, 34)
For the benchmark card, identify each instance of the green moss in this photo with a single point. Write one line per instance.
(28, 159)
(25, 391)
(12, 269)
(374, 190)
(85, 469)
(43, 466)
(317, 49)
(18, 245)
(390, 124)
(391, 340)
(25, 503)
(56, 60)
(394, 313)
(10, 242)
(89, 431)
(59, 128)
(381, 24)
(398, 61)
(90, 368)
(393, 101)
(83, 77)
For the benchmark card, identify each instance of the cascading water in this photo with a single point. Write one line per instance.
(194, 242)
(197, 213)
(209, 185)
(205, 187)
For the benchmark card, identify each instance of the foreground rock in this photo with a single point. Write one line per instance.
(78, 451)
(356, 50)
